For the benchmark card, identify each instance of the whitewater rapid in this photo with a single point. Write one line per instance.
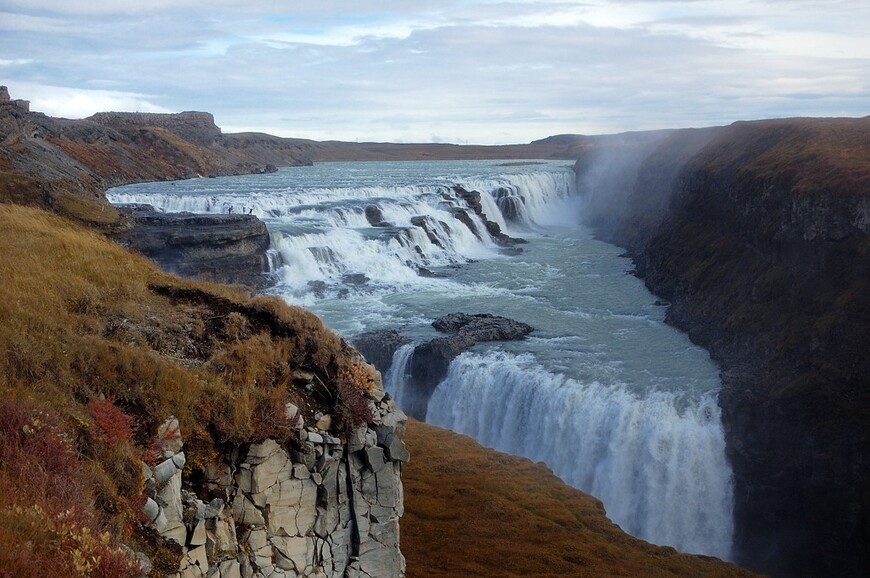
(660, 469)
(615, 401)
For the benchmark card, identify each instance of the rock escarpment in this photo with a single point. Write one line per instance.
(222, 248)
(759, 235)
(430, 360)
(325, 507)
(66, 165)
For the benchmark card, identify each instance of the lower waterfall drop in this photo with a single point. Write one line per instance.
(398, 375)
(657, 462)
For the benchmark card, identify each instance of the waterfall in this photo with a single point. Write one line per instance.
(321, 235)
(399, 373)
(604, 392)
(657, 461)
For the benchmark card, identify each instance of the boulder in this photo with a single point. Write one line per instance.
(375, 217)
(483, 326)
(431, 359)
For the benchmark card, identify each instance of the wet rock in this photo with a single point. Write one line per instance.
(429, 366)
(426, 223)
(379, 346)
(472, 199)
(354, 279)
(318, 288)
(375, 217)
(428, 273)
(482, 326)
(431, 359)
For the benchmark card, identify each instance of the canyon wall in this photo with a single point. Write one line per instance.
(221, 248)
(757, 234)
(320, 508)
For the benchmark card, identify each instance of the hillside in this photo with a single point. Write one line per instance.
(66, 165)
(473, 512)
(98, 347)
(758, 233)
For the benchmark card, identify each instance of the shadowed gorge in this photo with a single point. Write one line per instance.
(758, 236)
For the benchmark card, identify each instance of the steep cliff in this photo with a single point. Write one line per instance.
(222, 248)
(757, 234)
(283, 459)
(65, 165)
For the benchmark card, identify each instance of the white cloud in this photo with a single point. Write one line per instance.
(79, 103)
(481, 71)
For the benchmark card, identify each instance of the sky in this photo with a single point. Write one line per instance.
(477, 71)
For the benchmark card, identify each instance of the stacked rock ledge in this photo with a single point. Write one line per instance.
(321, 508)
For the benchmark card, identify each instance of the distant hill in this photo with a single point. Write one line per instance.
(71, 162)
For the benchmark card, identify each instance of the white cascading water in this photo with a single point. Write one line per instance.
(398, 376)
(661, 471)
(613, 400)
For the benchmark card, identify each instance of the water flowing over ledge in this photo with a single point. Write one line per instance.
(613, 400)
(660, 470)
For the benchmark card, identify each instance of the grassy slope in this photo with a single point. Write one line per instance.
(97, 347)
(471, 511)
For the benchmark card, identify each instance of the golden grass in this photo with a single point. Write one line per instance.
(471, 511)
(85, 320)
(811, 156)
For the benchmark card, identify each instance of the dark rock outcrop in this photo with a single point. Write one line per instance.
(222, 248)
(758, 235)
(482, 326)
(378, 347)
(472, 199)
(431, 360)
(429, 367)
(375, 217)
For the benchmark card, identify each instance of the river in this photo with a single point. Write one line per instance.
(615, 401)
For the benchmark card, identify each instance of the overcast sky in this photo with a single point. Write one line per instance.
(476, 71)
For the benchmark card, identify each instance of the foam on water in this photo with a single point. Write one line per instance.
(657, 461)
(615, 401)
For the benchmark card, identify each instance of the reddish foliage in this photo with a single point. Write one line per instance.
(36, 455)
(117, 426)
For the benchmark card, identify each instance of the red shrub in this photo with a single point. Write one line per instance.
(117, 426)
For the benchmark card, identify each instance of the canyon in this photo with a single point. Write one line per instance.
(756, 234)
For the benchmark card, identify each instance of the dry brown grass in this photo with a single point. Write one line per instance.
(102, 346)
(471, 511)
(811, 156)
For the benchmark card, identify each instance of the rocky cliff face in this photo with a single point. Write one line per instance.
(323, 508)
(221, 248)
(758, 235)
(65, 165)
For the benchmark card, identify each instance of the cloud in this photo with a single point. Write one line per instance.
(481, 71)
(78, 103)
